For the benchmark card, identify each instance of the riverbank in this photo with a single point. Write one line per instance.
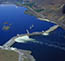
(14, 54)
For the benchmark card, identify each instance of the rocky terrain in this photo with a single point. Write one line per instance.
(54, 10)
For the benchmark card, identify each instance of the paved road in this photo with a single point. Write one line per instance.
(10, 42)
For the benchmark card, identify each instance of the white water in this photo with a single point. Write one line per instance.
(52, 44)
(26, 39)
(23, 39)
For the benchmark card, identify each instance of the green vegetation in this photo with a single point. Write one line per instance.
(39, 10)
(18, 3)
(29, 4)
(28, 12)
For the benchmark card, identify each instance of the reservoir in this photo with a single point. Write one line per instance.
(48, 48)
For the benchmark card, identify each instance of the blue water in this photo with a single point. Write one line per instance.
(20, 22)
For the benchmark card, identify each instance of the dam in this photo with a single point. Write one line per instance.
(25, 37)
(20, 30)
(9, 43)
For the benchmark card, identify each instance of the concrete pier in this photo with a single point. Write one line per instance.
(9, 43)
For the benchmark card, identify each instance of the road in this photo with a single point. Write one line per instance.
(9, 43)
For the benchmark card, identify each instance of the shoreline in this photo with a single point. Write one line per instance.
(21, 55)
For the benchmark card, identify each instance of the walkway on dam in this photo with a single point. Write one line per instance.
(12, 40)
